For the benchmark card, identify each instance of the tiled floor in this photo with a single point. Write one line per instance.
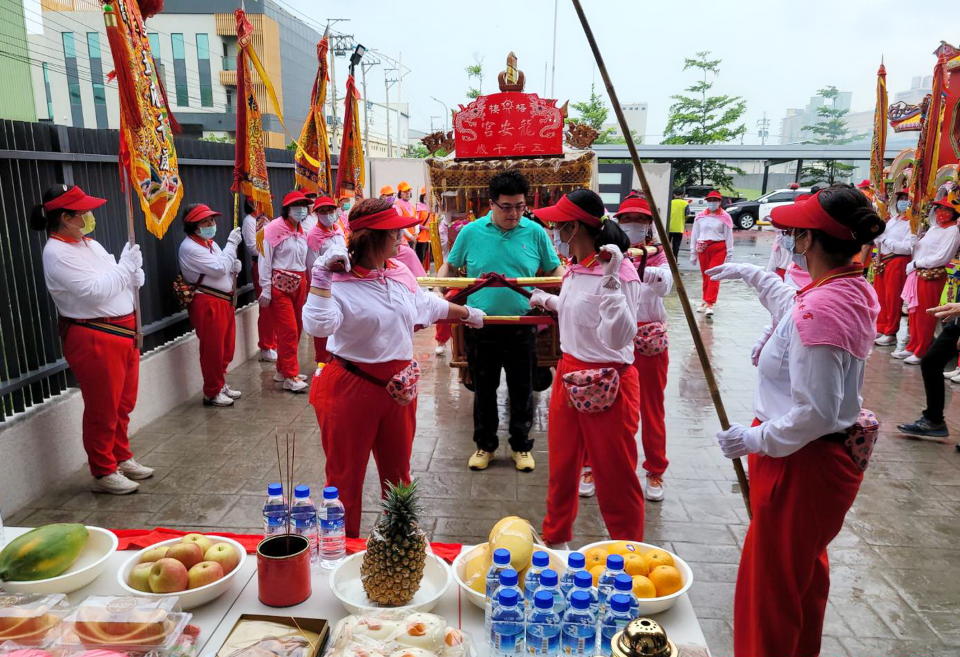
(895, 589)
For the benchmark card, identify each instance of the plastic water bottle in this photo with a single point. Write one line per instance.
(579, 627)
(509, 581)
(605, 583)
(303, 518)
(333, 534)
(543, 626)
(531, 581)
(501, 560)
(623, 585)
(614, 620)
(550, 583)
(576, 563)
(506, 628)
(274, 511)
(583, 581)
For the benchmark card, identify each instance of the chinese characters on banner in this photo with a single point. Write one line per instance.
(508, 125)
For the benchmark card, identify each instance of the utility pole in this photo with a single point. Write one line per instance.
(763, 126)
(388, 82)
(340, 44)
(368, 62)
(553, 64)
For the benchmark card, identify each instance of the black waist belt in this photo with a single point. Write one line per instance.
(838, 438)
(356, 371)
(104, 327)
(213, 292)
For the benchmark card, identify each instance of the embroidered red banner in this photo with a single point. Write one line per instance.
(508, 125)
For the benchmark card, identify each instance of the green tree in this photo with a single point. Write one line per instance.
(699, 118)
(475, 70)
(831, 128)
(594, 113)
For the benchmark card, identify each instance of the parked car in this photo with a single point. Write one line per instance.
(747, 214)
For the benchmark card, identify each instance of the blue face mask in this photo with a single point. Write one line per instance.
(903, 206)
(207, 232)
(789, 242)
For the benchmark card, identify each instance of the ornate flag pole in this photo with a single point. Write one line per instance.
(313, 167)
(928, 148)
(671, 258)
(880, 140)
(351, 173)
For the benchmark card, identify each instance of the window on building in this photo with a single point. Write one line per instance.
(203, 65)
(155, 46)
(46, 90)
(180, 70)
(73, 79)
(230, 108)
(96, 75)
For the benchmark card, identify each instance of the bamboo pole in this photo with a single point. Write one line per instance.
(132, 240)
(460, 283)
(671, 257)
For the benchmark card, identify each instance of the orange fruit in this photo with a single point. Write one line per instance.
(657, 557)
(635, 563)
(596, 571)
(595, 557)
(643, 587)
(666, 579)
(623, 548)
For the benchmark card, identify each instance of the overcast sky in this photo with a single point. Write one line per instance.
(774, 54)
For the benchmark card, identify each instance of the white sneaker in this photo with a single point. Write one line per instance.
(588, 488)
(133, 470)
(294, 385)
(441, 350)
(901, 354)
(912, 359)
(268, 355)
(115, 484)
(220, 400)
(708, 312)
(952, 373)
(885, 340)
(702, 307)
(230, 392)
(279, 378)
(654, 488)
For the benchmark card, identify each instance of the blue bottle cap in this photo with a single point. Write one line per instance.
(301, 491)
(508, 577)
(508, 598)
(576, 560)
(274, 490)
(580, 600)
(543, 600)
(583, 580)
(331, 493)
(623, 582)
(541, 559)
(615, 562)
(548, 577)
(620, 602)
(501, 556)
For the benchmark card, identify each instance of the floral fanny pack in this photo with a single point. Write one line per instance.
(861, 438)
(285, 281)
(402, 386)
(592, 391)
(651, 339)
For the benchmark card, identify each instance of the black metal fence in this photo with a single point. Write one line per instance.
(34, 156)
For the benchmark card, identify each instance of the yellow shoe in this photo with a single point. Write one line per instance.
(480, 460)
(524, 461)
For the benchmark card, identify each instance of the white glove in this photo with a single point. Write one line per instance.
(612, 266)
(474, 317)
(130, 258)
(739, 441)
(760, 343)
(139, 278)
(236, 266)
(545, 300)
(729, 255)
(234, 237)
(264, 299)
(732, 271)
(911, 267)
(334, 255)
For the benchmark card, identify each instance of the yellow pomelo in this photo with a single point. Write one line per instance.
(475, 568)
(516, 535)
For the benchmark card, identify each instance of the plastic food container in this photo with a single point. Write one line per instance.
(124, 623)
(30, 620)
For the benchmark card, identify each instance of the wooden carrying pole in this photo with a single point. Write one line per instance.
(671, 257)
(131, 240)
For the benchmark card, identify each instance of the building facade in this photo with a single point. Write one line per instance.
(792, 126)
(636, 116)
(15, 64)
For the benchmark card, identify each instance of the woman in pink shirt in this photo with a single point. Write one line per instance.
(711, 244)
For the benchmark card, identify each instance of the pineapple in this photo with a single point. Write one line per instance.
(396, 550)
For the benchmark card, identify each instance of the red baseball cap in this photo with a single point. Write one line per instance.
(566, 210)
(295, 197)
(864, 184)
(324, 201)
(75, 200)
(809, 214)
(199, 213)
(388, 219)
(715, 194)
(637, 205)
(945, 203)
(902, 192)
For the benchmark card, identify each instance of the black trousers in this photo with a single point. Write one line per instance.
(490, 350)
(675, 240)
(941, 352)
(422, 249)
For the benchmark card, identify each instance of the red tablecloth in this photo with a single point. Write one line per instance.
(137, 539)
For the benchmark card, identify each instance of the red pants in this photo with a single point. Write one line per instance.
(107, 368)
(715, 254)
(608, 440)
(286, 309)
(442, 333)
(265, 332)
(320, 353)
(652, 372)
(358, 417)
(889, 286)
(921, 323)
(216, 327)
(798, 503)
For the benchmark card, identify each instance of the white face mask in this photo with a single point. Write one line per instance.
(563, 248)
(328, 219)
(789, 242)
(903, 206)
(713, 205)
(298, 213)
(637, 233)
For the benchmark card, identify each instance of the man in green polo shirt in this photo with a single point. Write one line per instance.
(678, 220)
(506, 243)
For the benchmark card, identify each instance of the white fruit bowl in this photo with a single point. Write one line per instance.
(191, 597)
(650, 606)
(101, 543)
(346, 585)
(557, 560)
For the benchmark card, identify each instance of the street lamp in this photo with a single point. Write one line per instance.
(357, 55)
(446, 109)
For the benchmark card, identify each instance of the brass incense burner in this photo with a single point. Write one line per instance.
(643, 637)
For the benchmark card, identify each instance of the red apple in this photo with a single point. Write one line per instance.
(139, 577)
(224, 554)
(205, 572)
(189, 554)
(201, 540)
(154, 554)
(168, 576)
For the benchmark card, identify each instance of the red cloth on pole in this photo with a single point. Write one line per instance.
(652, 371)
(107, 369)
(714, 255)
(320, 353)
(286, 311)
(889, 285)
(921, 323)
(266, 335)
(607, 440)
(216, 328)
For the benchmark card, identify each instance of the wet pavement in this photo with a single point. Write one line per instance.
(895, 589)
